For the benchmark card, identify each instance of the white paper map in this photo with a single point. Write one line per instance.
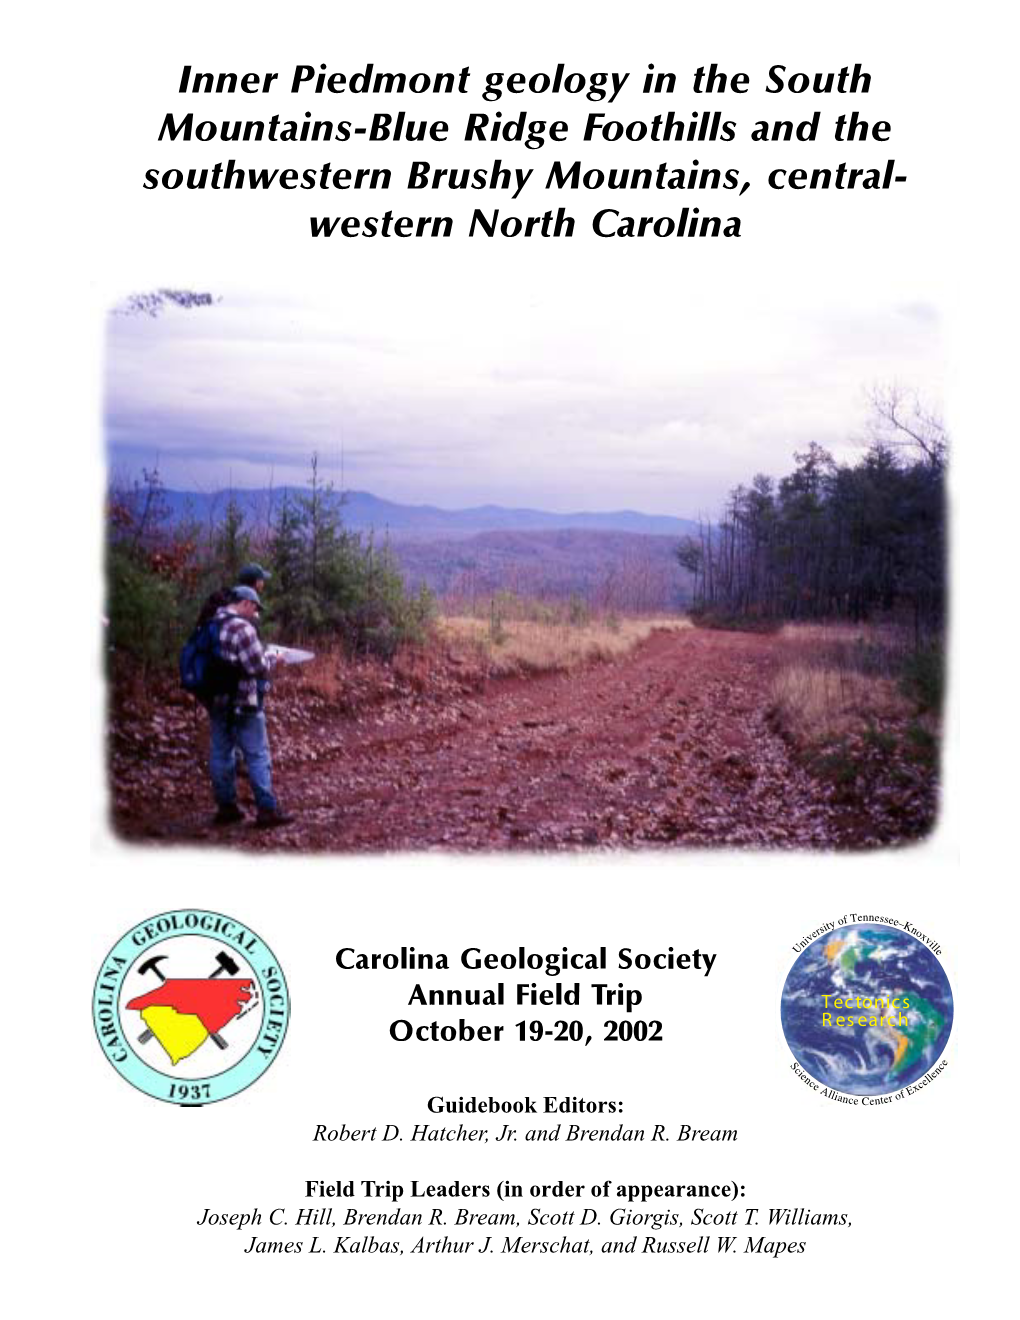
(289, 655)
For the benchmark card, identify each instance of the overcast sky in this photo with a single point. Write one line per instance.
(557, 408)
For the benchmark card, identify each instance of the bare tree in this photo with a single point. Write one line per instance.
(156, 301)
(901, 420)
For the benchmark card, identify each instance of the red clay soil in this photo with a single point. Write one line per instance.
(668, 746)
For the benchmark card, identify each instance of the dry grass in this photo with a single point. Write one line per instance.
(816, 705)
(841, 682)
(859, 706)
(849, 644)
(837, 632)
(526, 646)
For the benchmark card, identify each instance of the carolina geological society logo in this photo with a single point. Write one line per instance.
(191, 1007)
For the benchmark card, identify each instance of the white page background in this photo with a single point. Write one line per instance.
(106, 1184)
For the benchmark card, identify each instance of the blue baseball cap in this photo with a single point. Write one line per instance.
(252, 573)
(242, 592)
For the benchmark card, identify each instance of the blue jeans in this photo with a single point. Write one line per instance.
(230, 729)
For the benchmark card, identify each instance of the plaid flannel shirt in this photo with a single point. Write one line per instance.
(240, 645)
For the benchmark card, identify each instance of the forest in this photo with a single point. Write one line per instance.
(849, 541)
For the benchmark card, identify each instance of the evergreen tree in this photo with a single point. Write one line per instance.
(833, 540)
(233, 541)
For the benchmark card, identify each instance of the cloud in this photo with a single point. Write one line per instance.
(665, 415)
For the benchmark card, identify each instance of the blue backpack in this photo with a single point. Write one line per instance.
(204, 671)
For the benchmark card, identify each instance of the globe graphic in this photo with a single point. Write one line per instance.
(880, 974)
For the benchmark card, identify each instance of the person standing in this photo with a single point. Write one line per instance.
(254, 576)
(237, 718)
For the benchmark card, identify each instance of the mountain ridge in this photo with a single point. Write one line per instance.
(363, 511)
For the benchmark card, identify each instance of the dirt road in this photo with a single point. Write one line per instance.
(668, 746)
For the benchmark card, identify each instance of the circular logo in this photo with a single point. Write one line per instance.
(867, 1009)
(190, 1007)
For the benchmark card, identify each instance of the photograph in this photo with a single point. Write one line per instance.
(380, 586)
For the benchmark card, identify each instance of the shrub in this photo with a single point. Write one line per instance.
(578, 611)
(143, 611)
(729, 621)
(924, 676)
(497, 633)
(327, 583)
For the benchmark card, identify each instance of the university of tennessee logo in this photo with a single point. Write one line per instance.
(191, 1006)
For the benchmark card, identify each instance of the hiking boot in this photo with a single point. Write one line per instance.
(228, 813)
(269, 817)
